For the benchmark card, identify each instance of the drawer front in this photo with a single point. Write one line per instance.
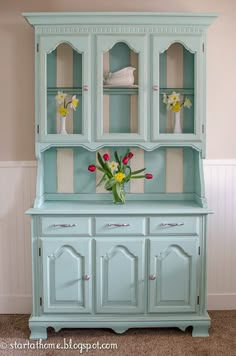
(174, 225)
(120, 226)
(65, 226)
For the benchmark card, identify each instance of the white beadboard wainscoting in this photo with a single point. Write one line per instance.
(220, 181)
(17, 190)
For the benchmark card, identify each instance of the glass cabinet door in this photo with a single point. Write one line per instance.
(176, 83)
(121, 89)
(64, 110)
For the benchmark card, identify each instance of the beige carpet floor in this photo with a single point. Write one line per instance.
(14, 332)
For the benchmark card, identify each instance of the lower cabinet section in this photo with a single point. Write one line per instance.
(118, 282)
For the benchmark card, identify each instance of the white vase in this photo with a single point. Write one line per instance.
(177, 123)
(63, 125)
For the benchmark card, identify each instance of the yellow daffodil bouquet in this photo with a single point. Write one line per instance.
(116, 173)
(63, 103)
(175, 103)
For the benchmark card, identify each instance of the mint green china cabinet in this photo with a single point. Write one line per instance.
(97, 264)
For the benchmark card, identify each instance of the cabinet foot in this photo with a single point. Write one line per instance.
(119, 330)
(182, 328)
(200, 331)
(38, 332)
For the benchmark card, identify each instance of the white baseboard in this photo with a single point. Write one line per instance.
(15, 304)
(221, 301)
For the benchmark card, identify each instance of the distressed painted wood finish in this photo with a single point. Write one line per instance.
(120, 276)
(17, 190)
(141, 114)
(173, 263)
(67, 289)
(96, 264)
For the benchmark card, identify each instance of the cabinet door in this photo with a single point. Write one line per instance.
(120, 275)
(66, 268)
(173, 275)
(121, 88)
(178, 66)
(64, 66)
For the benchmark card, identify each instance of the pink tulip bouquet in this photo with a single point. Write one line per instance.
(116, 173)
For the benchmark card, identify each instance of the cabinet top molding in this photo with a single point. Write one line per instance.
(119, 18)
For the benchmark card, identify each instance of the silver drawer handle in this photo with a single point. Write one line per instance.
(118, 225)
(64, 225)
(172, 224)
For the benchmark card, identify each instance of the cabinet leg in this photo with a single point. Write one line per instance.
(200, 331)
(38, 332)
(119, 330)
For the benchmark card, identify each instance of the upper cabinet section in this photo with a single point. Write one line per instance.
(64, 88)
(120, 79)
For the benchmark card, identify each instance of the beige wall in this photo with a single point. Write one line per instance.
(17, 69)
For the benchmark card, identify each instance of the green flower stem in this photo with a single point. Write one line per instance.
(108, 170)
(137, 177)
(118, 193)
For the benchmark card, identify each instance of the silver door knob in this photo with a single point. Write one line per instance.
(85, 88)
(86, 277)
(155, 87)
(152, 277)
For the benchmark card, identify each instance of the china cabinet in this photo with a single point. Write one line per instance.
(141, 264)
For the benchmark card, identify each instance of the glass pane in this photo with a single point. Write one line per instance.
(120, 90)
(177, 77)
(64, 74)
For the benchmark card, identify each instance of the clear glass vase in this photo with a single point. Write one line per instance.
(118, 193)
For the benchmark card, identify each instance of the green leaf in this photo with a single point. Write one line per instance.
(138, 171)
(104, 166)
(117, 157)
(101, 161)
(104, 178)
(109, 184)
(128, 176)
(108, 170)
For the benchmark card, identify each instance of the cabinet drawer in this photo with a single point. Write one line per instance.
(65, 226)
(120, 226)
(174, 225)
